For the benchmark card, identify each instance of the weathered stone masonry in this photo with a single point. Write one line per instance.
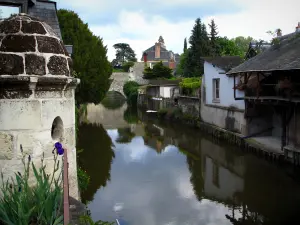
(37, 104)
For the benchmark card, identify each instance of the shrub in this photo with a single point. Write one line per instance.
(21, 204)
(189, 86)
(130, 89)
(158, 71)
(83, 179)
(127, 65)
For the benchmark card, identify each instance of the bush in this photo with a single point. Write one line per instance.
(158, 71)
(83, 179)
(127, 65)
(41, 204)
(130, 89)
(189, 86)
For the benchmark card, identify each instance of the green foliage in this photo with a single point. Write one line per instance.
(22, 204)
(182, 63)
(87, 220)
(130, 89)
(127, 65)
(242, 43)
(191, 83)
(229, 48)
(131, 115)
(89, 57)
(184, 45)
(83, 179)
(215, 48)
(199, 47)
(124, 53)
(158, 71)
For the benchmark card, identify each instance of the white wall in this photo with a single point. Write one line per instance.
(226, 87)
(219, 113)
(229, 183)
(165, 92)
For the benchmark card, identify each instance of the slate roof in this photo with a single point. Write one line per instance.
(224, 62)
(282, 56)
(164, 54)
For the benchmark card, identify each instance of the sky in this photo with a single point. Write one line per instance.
(140, 22)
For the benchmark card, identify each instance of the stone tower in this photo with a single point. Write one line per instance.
(37, 105)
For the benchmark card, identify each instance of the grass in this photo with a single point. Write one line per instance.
(24, 204)
(117, 70)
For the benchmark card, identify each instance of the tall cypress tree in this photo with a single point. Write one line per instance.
(184, 46)
(213, 34)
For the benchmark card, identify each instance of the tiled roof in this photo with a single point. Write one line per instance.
(224, 62)
(281, 56)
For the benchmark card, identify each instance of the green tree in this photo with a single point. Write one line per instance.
(182, 63)
(213, 34)
(199, 47)
(184, 46)
(158, 71)
(89, 57)
(229, 48)
(243, 43)
(124, 53)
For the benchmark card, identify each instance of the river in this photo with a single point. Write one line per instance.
(147, 172)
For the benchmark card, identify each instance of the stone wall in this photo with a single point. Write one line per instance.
(118, 81)
(37, 103)
(224, 117)
(189, 106)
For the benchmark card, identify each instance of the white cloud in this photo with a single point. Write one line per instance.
(256, 18)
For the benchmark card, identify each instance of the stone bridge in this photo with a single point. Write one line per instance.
(135, 74)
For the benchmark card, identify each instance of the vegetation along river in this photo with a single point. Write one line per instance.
(147, 172)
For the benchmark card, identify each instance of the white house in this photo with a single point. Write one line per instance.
(219, 106)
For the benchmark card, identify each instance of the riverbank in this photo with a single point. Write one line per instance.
(246, 144)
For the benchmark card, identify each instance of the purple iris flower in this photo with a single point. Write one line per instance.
(59, 148)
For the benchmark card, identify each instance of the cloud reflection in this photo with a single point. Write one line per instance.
(153, 190)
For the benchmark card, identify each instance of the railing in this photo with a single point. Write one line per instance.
(66, 189)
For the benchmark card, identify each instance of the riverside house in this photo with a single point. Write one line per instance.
(218, 104)
(271, 81)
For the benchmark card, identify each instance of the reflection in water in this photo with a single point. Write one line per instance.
(113, 100)
(97, 157)
(168, 174)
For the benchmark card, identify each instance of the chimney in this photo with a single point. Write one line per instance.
(157, 50)
(298, 27)
(279, 33)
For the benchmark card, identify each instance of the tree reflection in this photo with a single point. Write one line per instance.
(195, 168)
(125, 135)
(131, 115)
(97, 157)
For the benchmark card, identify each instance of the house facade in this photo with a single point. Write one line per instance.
(158, 52)
(219, 106)
(272, 93)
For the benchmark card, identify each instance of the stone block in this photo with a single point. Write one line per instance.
(52, 108)
(68, 94)
(9, 26)
(11, 64)
(20, 114)
(17, 43)
(35, 65)
(49, 45)
(28, 142)
(69, 138)
(58, 66)
(6, 146)
(48, 94)
(33, 27)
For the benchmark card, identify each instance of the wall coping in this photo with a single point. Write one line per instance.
(224, 108)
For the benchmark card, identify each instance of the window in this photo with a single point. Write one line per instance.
(8, 10)
(216, 90)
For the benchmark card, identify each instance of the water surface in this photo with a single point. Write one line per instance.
(149, 173)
